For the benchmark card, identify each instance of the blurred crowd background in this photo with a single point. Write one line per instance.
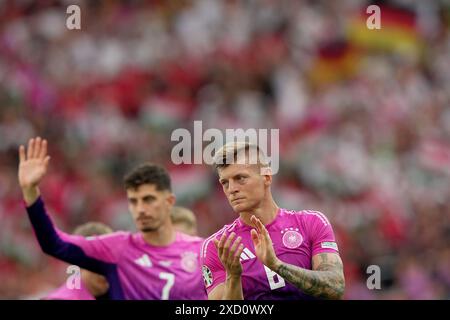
(363, 114)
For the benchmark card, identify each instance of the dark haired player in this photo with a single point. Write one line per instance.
(155, 263)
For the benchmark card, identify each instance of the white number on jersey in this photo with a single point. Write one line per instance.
(271, 275)
(170, 277)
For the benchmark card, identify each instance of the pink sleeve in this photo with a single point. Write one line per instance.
(321, 233)
(212, 269)
(107, 247)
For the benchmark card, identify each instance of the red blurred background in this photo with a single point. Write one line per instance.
(363, 114)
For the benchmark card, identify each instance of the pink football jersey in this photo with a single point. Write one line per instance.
(296, 235)
(66, 293)
(134, 268)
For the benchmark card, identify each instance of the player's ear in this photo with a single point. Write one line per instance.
(171, 199)
(266, 172)
(268, 180)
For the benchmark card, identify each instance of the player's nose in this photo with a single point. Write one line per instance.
(141, 209)
(233, 189)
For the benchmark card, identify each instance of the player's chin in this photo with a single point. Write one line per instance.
(148, 227)
(240, 207)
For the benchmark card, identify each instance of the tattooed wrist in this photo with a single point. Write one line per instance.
(327, 281)
(274, 265)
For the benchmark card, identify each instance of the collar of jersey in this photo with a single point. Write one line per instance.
(242, 224)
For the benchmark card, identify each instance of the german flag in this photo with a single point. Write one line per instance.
(335, 61)
(398, 33)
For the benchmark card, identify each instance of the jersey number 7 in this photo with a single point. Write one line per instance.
(170, 277)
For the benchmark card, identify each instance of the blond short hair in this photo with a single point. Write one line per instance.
(90, 229)
(184, 220)
(183, 215)
(229, 153)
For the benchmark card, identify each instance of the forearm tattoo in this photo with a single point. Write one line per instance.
(326, 281)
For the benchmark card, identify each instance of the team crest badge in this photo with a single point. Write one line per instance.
(291, 238)
(189, 261)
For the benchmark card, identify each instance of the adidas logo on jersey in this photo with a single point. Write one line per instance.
(165, 263)
(246, 255)
(144, 261)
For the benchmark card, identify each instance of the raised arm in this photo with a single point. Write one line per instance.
(325, 280)
(32, 168)
(97, 255)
